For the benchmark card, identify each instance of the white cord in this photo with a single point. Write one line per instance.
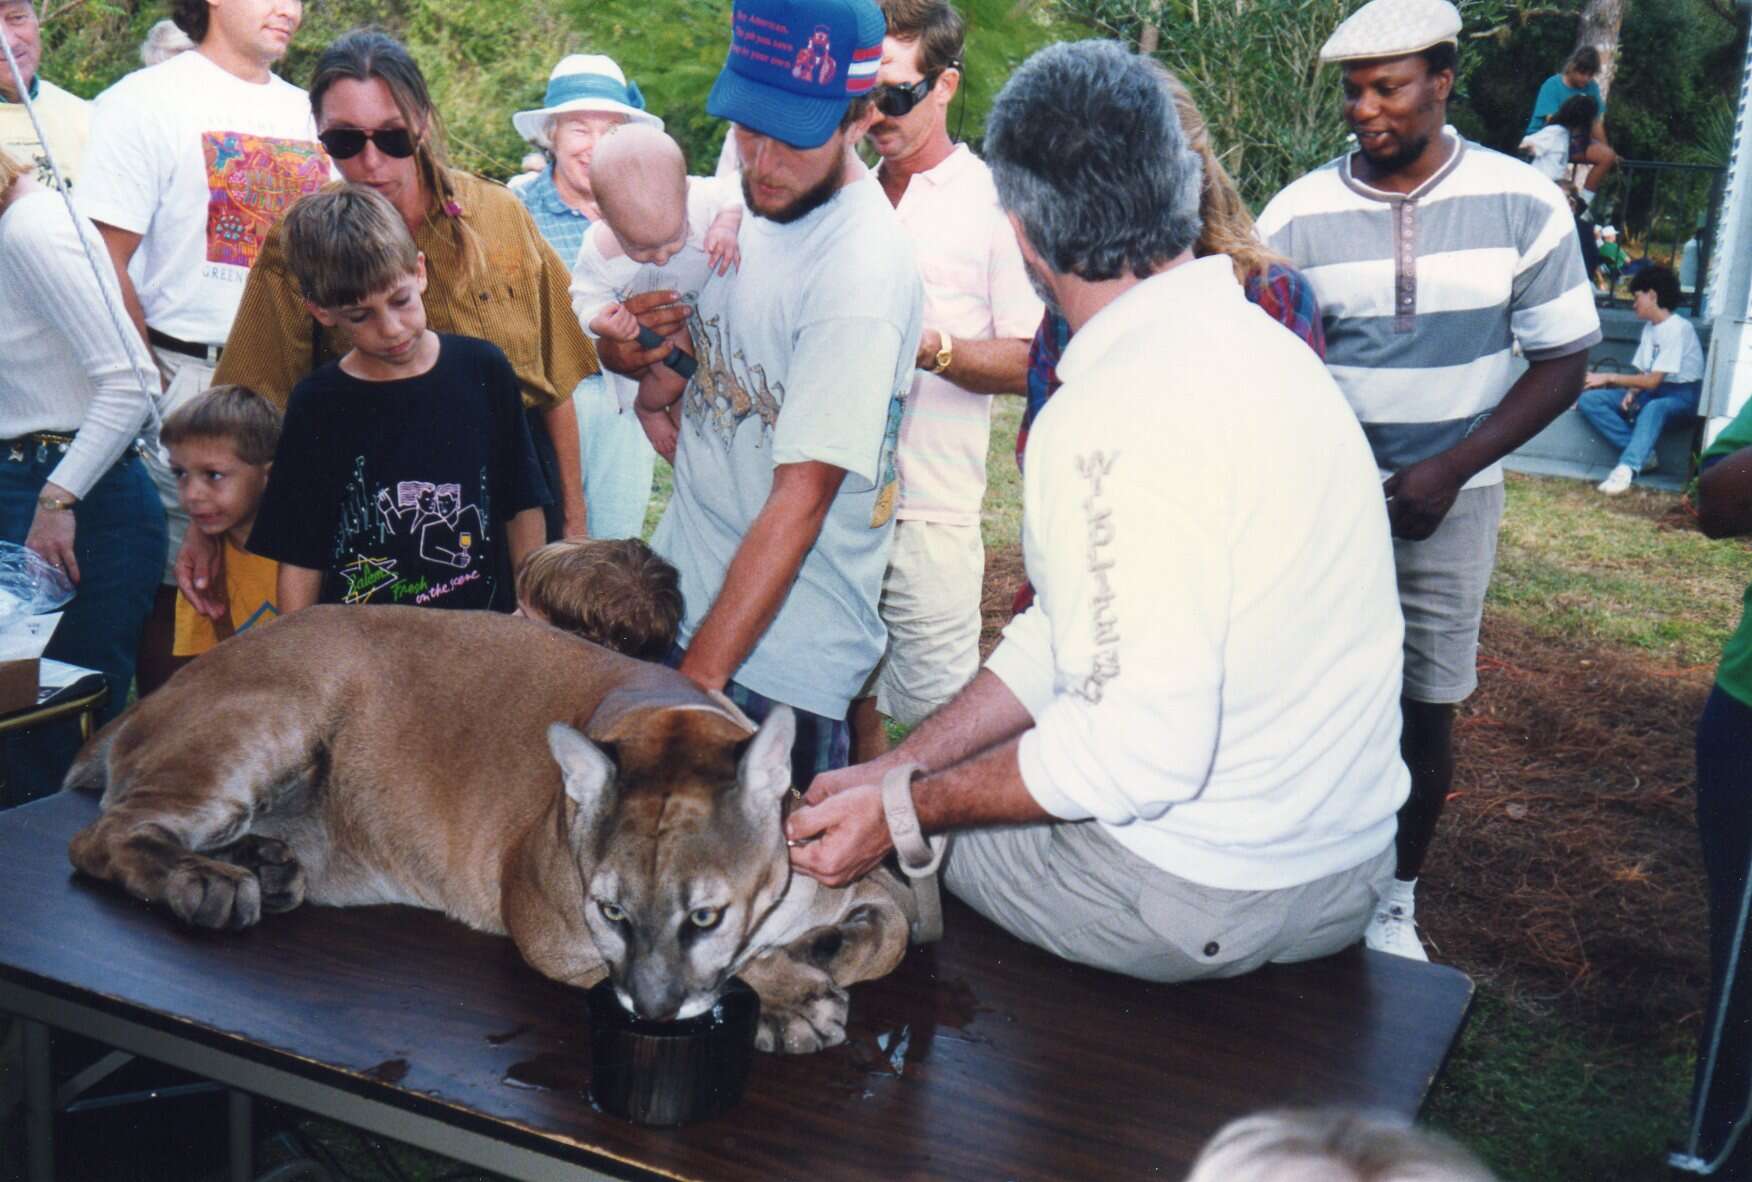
(126, 334)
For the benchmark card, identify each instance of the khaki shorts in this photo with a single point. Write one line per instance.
(187, 377)
(930, 604)
(1073, 890)
(1442, 581)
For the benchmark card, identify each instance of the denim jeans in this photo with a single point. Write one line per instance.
(1653, 408)
(1724, 825)
(119, 544)
(618, 461)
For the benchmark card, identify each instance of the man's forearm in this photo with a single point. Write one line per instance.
(984, 790)
(297, 587)
(989, 367)
(761, 573)
(1545, 391)
(983, 715)
(121, 246)
(562, 426)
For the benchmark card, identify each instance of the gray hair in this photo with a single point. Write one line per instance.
(1331, 1146)
(163, 42)
(1088, 153)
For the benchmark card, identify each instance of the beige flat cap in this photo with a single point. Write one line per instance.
(1392, 28)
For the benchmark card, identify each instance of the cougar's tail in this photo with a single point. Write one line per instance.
(90, 770)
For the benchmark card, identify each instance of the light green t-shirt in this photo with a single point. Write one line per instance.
(1735, 673)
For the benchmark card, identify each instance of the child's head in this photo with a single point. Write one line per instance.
(618, 594)
(1576, 114)
(359, 269)
(1331, 1146)
(639, 178)
(221, 445)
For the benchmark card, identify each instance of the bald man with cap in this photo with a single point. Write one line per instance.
(1433, 258)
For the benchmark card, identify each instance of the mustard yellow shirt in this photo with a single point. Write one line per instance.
(66, 120)
(520, 300)
(250, 587)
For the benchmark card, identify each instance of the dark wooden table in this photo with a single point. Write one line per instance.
(979, 1058)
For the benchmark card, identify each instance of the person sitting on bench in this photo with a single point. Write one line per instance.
(1183, 760)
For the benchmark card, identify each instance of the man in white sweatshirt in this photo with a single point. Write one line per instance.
(1183, 761)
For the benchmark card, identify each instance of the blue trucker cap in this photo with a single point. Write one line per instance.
(795, 64)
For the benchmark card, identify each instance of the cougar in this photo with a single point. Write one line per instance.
(606, 813)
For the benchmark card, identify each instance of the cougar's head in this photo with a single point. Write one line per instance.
(677, 829)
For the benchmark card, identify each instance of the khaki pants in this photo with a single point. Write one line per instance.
(1073, 890)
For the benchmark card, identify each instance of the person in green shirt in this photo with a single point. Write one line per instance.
(1718, 1142)
(1577, 78)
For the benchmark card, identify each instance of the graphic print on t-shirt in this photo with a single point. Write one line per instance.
(416, 543)
(719, 399)
(251, 181)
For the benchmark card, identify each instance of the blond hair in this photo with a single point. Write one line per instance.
(1331, 1146)
(347, 243)
(236, 414)
(618, 594)
(1228, 223)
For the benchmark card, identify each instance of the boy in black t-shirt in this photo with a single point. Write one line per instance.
(405, 472)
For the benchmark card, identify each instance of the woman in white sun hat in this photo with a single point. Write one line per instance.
(587, 98)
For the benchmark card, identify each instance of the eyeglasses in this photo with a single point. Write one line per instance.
(344, 143)
(895, 99)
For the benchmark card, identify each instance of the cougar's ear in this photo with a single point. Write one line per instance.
(588, 772)
(765, 771)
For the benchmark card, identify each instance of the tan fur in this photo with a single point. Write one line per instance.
(362, 755)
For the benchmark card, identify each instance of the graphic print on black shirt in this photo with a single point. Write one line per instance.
(398, 492)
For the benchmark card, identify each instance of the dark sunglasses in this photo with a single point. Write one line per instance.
(897, 99)
(344, 143)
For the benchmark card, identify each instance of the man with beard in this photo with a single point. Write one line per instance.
(785, 485)
(1432, 258)
(1182, 760)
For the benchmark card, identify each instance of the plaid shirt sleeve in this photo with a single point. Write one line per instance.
(1288, 298)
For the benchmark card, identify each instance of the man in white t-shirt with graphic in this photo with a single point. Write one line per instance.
(65, 118)
(1183, 759)
(784, 474)
(980, 312)
(190, 162)
(1667, 384)
(1458, 320)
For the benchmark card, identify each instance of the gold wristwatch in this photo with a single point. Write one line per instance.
(54, 504)
(944, 354)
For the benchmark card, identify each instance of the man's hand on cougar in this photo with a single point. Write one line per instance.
(842, 837)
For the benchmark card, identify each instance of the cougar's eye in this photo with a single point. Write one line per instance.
(705, 917)
(611, 912)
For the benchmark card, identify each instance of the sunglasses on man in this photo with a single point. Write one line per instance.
(344, 143)
(896, 99)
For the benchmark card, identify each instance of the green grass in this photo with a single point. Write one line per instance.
(1575, 566)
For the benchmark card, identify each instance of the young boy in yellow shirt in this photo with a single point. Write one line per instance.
(221, 445)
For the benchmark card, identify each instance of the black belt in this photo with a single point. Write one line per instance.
(208, 353)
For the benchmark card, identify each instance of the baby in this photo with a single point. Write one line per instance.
(660, 230)
(618, 594)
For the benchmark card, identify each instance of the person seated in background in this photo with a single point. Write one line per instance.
(1613, 260)
(405, 471)
(1667, 384)
(660, 230)
(221, 444)
(1576, 79)
(1548, 149)
(1293, 1145)
(617, 593)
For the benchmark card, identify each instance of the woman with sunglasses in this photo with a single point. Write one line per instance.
(490, 273)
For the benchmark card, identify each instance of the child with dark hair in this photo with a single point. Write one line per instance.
(616, 593)
(1550, 146)
(221, 444)
(405, 472)
(1667, 384)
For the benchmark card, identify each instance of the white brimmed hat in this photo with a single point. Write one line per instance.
(585, 82)
(1392, 28)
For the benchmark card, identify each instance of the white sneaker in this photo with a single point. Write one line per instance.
(1618, 482)
(1393, 928)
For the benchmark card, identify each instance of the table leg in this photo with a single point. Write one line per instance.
(241, 1126)
(39, 1103)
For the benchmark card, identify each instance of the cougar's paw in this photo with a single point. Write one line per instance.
(810, 1016)
(211, 894)
(280, 873)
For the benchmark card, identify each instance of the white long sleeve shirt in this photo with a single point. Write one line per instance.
(64, 365)
(1213, 660)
